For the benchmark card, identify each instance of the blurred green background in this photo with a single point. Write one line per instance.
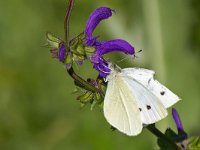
(37, 108)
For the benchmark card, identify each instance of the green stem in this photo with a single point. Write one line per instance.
(66, 23)
(82, 82)
(152, 128)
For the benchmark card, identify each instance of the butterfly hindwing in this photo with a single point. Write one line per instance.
(120, 107)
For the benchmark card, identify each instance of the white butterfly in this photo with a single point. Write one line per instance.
(133, 99)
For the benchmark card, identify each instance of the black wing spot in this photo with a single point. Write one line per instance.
(140, 109)
(148, 107)
(162, 92)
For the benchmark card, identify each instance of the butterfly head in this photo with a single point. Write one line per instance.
(114, 70)
(113, 67)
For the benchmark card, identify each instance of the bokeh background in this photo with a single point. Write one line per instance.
(37, 108)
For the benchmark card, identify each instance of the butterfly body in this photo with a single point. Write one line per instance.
(133, 98)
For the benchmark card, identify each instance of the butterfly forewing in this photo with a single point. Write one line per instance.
(120, 107)
(150, 107)
(146, 78)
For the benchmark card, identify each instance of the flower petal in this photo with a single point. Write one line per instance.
(95, 18)
(116, 45)
(93, 42)
(61, 52)
(105, 47)
(177, 120)
(102, 67)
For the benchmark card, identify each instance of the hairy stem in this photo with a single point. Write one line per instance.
(71, 72)
(152, 128)
(66, 24)
(82, 82)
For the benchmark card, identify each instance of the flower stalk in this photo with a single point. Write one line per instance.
(70, 70)
(152, 128)
(66, 23)
(82, 82)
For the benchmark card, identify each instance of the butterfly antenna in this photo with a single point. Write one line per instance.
(135, 55)
(132, 56)
(126, 57)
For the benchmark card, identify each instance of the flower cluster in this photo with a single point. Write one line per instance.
(86, 46)
(103, 47)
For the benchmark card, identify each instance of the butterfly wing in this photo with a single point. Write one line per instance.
(146, 78)
(150, 107)
(120, 107)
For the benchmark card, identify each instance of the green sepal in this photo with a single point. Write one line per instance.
(194, 143)
(103, 88)
(163, 144)
(94, 102)
(80, 49)
(180, 139)
(89, 50)
(75, 91)
(80, 38)
(86, 97)
(68, 59)
(100, 105)
(97, 100)
(78, 58)
(77, 49)
(82, 105)
(77, 46)
(52, 41)
(98, 97)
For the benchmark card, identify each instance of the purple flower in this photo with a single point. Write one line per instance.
(116, 45)
(181, 132)
(61, 52)
(177, 120)
(102, 67)
(95, 18)
(103, 47)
